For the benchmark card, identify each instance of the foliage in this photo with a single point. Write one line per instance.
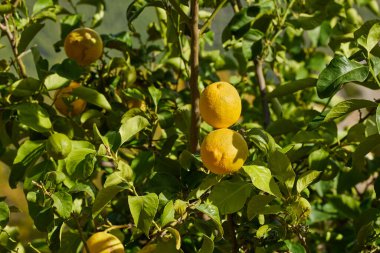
(129, 169)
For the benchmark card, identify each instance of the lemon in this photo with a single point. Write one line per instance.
(224, 151)
(84, 46)
(220, 105)
(66, 104)
(102, 242)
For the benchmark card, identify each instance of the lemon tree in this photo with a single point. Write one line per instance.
(189, 126)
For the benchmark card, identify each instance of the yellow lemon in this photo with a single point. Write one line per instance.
(103, 242)
(84, 46)
(220, 105)
(224, 151)
(66, 104)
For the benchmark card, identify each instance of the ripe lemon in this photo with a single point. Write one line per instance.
(66, 104)
(224, 151)
(84, 46)
(103, 242)
(220, 105)
(58, 146)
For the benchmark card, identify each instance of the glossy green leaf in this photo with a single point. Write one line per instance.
(62, 202)
(103, 197)
(295, 247)
(373, 37)
(80, 162)
(318, 159)
(262, 140)
(4, 214)
(55, 81)
(306, 179)
(167, 214)
(28, 34)
(262, 179)
(340, 70)
(155, 94)
(25, 87)
(143, 210)
(207, 245)
(93, 97)
(212, 211)
(230, 197)
(41, 4)
(281, 168)
(34, 116)
(258, 205)
(291, 87)
(205, 185)
(348, 106)
(358, 157)
(122, 174)
(131, 127)
(27, 154)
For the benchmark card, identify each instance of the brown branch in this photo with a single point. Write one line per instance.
(231, 227)
(263, 91)
(12, 41)
(194, 68)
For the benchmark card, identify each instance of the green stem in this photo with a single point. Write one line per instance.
(211, 18)
(178, 8)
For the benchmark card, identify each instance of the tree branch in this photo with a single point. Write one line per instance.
(194, 67)
(231, 227)
(211, 18)
(263, 91)
(12, 41)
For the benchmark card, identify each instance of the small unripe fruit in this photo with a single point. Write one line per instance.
(58, 146)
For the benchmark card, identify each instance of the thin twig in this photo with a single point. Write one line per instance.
(81, 233)
(263, 91)
(128, 226)
(211, 18)
(12, 41)
(194, 67)
(178, 8)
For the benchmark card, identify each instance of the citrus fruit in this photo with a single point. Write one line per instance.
(102, 242)
(67, 104)
(84, 46)
(224, 151)
(220, 105)
(58, 146)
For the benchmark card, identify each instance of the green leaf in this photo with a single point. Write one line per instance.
(262, 179)
(79, 187)
(295, 247)
(80, 162)
(358, 157)
(131, 127)
(206, 184)
(27, 154)
(346, 205)
(143, 210)
(291, 87)
(230, 197)
(378, 118)
(137, 6)
(319, 159)
(341, 70)
(306, 179)
(373, 37)
(92, 96)
(155, 94)
(167, 214)
(4, 214)
(207, 245)
(34, 116)
(104, 196)
(62, 202)
(348, 106)
(25, 87)
(212, 212)
(262, 140)
(55, 81)
(281, 168)
(123, 174)
(258, 204)
(28, 34)
(41, 4)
